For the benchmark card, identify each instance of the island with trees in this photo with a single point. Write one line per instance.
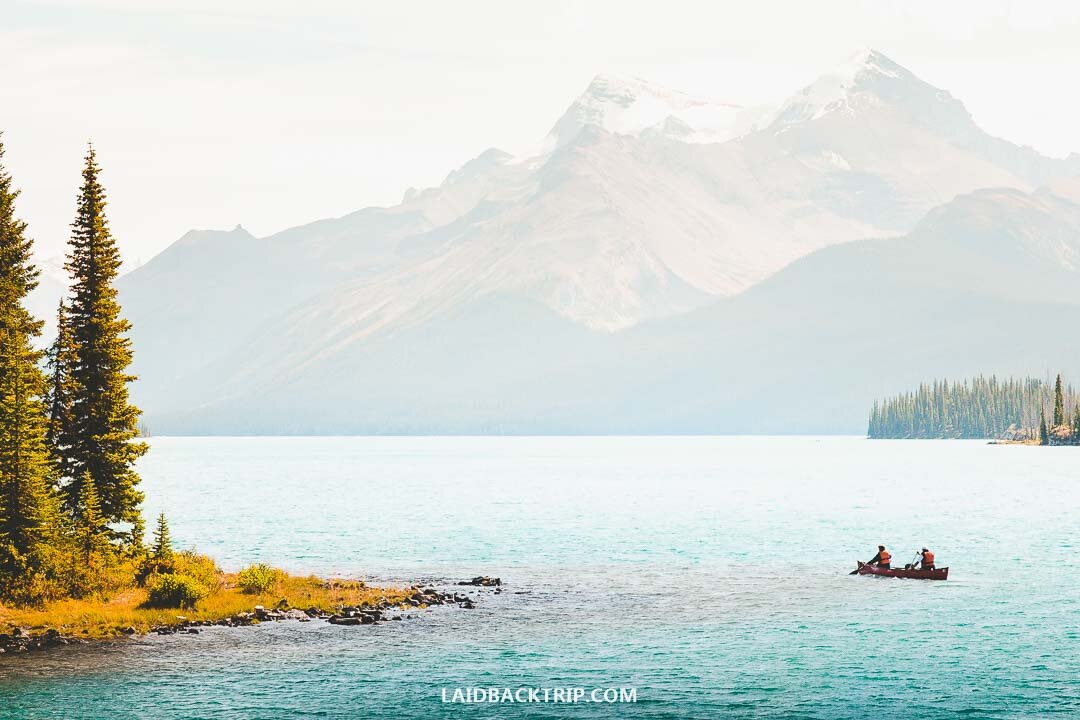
(73, 558)
(1029, 411)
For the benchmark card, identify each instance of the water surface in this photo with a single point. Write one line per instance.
(709, 573)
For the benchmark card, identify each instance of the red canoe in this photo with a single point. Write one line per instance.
(935, 574)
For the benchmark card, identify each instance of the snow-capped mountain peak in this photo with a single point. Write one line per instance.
(835, 89)
(870, 60)
(514, 267)
(630, 106)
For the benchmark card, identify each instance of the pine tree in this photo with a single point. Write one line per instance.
(162, 549)
(1059, 402)
(1044, 434)
(100, 445)
(28, 511)
(61, 397)
(92, 534)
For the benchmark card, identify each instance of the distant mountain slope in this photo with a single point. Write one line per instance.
(44, 300)
(986, 283)
(631, 216)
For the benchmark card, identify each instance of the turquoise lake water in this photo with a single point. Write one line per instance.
(708, 573)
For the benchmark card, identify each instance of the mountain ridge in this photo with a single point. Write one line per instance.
(608, 230)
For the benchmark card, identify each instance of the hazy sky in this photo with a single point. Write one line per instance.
(209, 113)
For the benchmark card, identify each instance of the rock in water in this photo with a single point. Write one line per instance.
(482, 581)
(337, 620)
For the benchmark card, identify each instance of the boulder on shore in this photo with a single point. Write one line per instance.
(339, 620)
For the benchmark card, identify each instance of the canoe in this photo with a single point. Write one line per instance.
(915, 574)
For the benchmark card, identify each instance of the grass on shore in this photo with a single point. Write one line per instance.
(96, 618)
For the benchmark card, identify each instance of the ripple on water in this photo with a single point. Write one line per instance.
(710, 573)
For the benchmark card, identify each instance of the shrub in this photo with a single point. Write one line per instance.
(186, 562)
(150, 568)
(200, 567)
(257, 578)
(175, 591)
(30, 588)
(97, 574)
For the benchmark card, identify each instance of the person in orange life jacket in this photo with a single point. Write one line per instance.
(883, 559)
(926, 559)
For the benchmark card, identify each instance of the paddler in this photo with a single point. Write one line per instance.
(926, 559)
(883, 559)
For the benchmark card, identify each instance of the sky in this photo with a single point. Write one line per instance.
(265, 113)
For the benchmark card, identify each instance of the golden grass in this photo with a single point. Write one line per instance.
(95, 618)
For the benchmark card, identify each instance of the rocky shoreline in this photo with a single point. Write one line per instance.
(21, 640)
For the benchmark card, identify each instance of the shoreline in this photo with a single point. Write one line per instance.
(337, 602)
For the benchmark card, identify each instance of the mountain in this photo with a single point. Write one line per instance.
(632, 106)
(986, 283)
(900, 144)
(508, 287)
(45, 298)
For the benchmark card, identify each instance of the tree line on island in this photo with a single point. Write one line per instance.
(70, 518)
(1022, 410)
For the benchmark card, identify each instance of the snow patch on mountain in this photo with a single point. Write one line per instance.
(834, 91)
(631, 106)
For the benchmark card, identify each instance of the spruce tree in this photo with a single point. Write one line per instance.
(100, 444)
(162, 549)
(1059, 402)
(28, 511)
(1044, 434)
(61, 397)
(92, 534)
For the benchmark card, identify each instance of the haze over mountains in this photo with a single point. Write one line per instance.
(663, 264)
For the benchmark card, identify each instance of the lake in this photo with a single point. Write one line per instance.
(709, 573)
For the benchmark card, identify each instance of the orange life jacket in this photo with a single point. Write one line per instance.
(928, 558)
(884, 557)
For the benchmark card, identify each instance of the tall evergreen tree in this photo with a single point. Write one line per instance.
(61, 397)
(1044, 433)
(1059, 402)
(100, 445)
(28, 511)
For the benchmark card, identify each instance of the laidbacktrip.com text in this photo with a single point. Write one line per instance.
(479, 695)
